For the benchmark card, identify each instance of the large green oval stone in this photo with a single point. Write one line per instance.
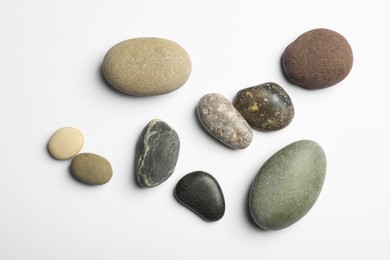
(287, 185)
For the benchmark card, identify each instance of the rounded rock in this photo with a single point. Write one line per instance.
(222, 120)
(65, 143)
(265, 107)
(200, 192)
(287, 185)
(146, 66)
(157, 153)
(91, 169)
(317, 59)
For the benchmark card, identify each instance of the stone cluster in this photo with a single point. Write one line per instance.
(287, 184)
(88, 168)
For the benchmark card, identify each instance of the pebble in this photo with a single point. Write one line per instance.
(265, 107)
(222, 120)
(91, 169)
(317, 59)
(146, 66)
(200, 192)
(65, 143)
(157, 153)
(287, 185)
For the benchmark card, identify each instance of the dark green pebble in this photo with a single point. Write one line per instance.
(200, 192)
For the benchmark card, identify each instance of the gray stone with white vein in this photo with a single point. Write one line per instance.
(156, 153)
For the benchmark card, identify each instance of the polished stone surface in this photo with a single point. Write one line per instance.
(157, 153)
(265, 107)
(287, 185)
(200, 192)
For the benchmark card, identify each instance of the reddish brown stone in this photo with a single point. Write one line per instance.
(317, 59)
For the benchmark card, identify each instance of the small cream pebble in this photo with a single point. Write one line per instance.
(65, 143)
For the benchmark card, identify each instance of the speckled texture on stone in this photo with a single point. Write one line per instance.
(317, 59)
(91, 169)
(65, 143)
(265, 107)
(157, 153)
(222, 120)
(287, 185)
(146, 66)
(200, 192)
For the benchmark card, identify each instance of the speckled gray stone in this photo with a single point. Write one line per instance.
(157, 153)
(146, 66)
(265, 107)
(287, 185)
(200, 192)
(91, 169)
(222, 120)
(317, 59)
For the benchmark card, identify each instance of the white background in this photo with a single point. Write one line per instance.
(50, 58)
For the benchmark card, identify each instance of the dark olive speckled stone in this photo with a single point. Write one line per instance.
(201, 193)
(287, 185)
(157, 153)
(265, 107)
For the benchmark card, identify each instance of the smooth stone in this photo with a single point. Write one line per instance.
(317, 59)
(287, 185)
(157, 153)
(222, 120)
(146, 66)
(265, 107)
(200, 192)
(65, 143)
(91, 169)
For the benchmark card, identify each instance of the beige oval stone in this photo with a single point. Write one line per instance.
(146, 66)
(65, 143)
